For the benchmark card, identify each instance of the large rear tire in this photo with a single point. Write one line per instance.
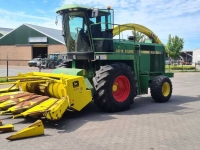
(115, 87)
(161, 89)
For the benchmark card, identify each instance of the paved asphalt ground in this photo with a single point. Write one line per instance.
(174, 125)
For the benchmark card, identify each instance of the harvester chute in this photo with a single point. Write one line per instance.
(129, 26)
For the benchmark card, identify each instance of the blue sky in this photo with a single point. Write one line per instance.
(163, 17)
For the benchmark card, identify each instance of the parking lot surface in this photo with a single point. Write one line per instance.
(145, 126)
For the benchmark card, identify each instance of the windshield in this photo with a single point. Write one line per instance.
(76, 24)
(79, 29)
(54, 56)
(51, 56)
(73, 23)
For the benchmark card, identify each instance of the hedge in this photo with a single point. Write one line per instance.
(3, 80)
(180, 67)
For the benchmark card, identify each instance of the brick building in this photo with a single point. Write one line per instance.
(30, 41)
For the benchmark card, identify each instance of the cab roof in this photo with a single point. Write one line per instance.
(73, 6)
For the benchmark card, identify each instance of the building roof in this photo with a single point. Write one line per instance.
(54, 34)
(196, 49)
(191, 50)
(187, 51)
(5, 31)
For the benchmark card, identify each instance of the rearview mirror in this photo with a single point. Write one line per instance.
(56, 21)
(95, 12)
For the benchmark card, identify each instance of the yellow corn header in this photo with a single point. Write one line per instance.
(47, 95)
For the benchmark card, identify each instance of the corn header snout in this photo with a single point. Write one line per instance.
(47, 95)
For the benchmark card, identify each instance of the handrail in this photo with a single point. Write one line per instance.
(118, 25)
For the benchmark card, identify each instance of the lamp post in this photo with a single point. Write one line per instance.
(7, 66)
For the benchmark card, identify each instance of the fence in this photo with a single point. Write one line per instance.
(193, 67)
(11, 62)
(14, 62)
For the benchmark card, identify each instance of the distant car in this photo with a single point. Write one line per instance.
(168, 62)
(34, 62)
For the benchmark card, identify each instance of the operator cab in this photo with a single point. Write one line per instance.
(86, 31)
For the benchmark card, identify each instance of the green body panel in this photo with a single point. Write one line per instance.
(158, 60)
(21, 35)
(145, 63)
(89, 85)
(69, 71)
(1, 35)
(170, 75)
(144, 79)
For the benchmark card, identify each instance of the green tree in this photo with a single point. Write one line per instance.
(138, 35)
(175, 46)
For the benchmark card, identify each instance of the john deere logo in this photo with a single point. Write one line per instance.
(75, 84)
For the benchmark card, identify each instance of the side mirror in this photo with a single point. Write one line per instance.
(95, 12)
(56, 21)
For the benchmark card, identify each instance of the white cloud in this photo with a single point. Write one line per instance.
(20, 14)
(41, 11)
(100, 3)
(15, 19)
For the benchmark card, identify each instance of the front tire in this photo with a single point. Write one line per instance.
(115, 87)
(161, 89)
